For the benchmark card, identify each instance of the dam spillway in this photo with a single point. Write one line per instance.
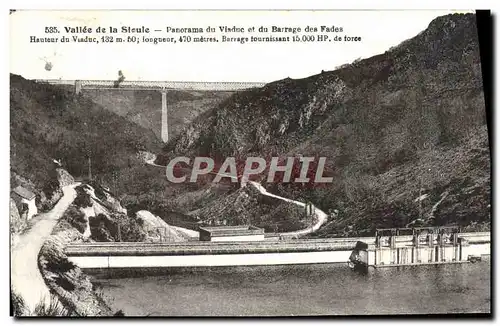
(429, 245)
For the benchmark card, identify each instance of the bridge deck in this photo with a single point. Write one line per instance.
(157, 85)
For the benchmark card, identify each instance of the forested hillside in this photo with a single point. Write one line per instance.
(406, 123)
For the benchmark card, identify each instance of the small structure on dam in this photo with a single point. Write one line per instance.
(231, 233)
(416, 246)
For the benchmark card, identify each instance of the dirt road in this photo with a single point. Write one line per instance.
(26, 278)
(321, 216)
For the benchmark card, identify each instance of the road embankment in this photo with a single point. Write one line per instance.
(72, 287)
(26, 279)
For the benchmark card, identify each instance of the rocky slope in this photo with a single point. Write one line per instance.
(94, 215)
(72, 287)
(405, 123)
(19, 224)
(247, 206)
(98, 216)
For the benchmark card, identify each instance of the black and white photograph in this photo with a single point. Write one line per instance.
(250, 163)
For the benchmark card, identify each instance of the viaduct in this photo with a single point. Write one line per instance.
(161, 86)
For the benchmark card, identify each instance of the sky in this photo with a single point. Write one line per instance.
(249, 62)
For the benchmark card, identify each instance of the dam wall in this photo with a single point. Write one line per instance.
(286, 258)
(208, 254)
(203, 253)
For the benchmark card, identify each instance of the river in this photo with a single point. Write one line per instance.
(321, 289)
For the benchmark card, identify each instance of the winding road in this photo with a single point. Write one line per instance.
(26, 279)
(321, 217)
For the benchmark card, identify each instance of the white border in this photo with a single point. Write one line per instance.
(196, 4)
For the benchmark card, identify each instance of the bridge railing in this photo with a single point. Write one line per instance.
(139, 84)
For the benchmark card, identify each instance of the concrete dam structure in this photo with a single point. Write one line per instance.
(115, 255)
(423, 247)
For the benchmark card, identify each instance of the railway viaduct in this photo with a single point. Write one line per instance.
(161, 86)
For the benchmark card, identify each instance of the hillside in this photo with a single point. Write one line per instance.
(47, 122)
(247, 206)
(406, 123)
(143, 107)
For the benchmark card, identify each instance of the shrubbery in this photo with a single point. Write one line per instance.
(119, 227)
(82, 199)
(42, 309)
(75, 218)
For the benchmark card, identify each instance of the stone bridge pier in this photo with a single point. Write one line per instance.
(164, 116)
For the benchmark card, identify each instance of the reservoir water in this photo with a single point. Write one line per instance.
(320, 289)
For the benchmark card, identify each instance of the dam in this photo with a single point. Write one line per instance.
(115, 255)
(444, 245)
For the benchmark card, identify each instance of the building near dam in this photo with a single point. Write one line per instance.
(420, 246)
(25, 201)
(231, 233)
